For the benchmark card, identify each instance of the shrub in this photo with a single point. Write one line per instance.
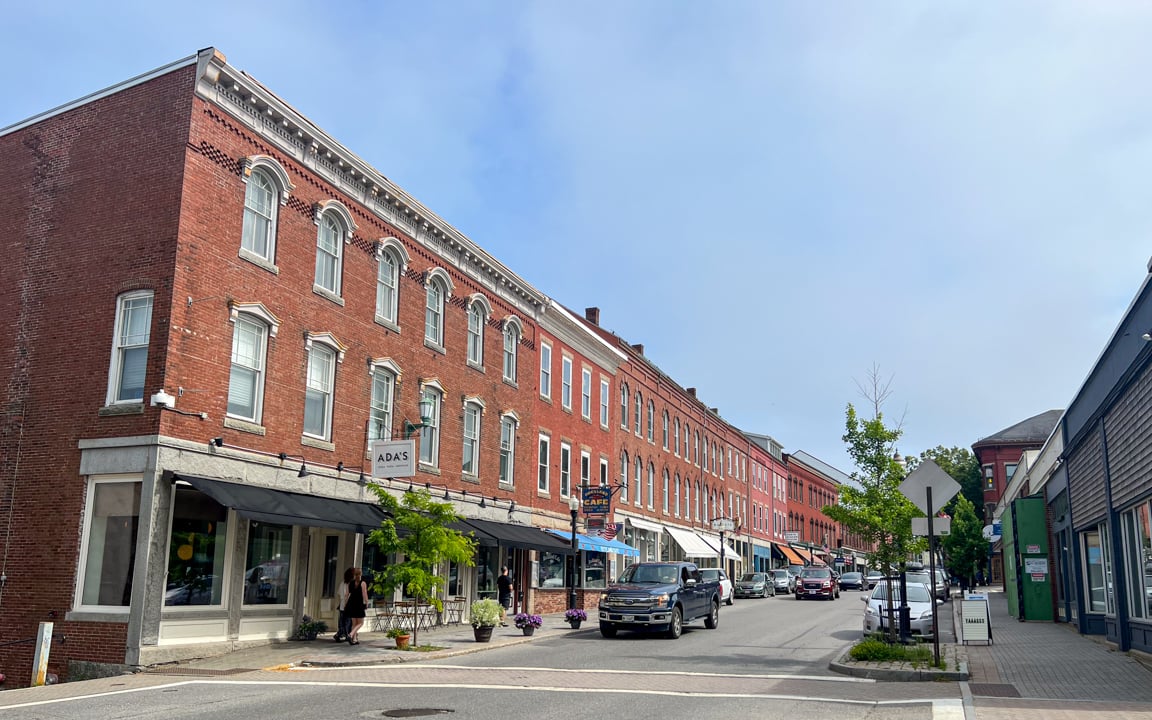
(485, 613)
(874, 650)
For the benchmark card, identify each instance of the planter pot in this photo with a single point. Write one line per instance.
(402, 642)
(575, 624)
(483, 633)
(528, 629)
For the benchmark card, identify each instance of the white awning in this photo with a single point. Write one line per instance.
(691, 543)
(644, 524)
(729, 551)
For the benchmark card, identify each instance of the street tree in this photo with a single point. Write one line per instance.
(417, 532)
(876, 510)
(965, 549)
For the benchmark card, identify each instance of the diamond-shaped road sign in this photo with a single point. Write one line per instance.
(929, 475)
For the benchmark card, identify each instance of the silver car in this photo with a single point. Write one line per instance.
(755, 584)
(784, 581)
(921, 608)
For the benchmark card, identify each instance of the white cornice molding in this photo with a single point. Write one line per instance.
(561, 324)
(275, 121)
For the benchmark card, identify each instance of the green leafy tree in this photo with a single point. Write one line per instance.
(877, 511)
(964, 468)
(965, 548)
(417, 531)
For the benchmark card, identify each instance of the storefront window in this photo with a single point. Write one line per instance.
(551, 572)
(373, 561)
(487, 570)
(595, 569)
(1138, 551)
(196, 550)
(1094, 567)
(111, 544)
(269, 561)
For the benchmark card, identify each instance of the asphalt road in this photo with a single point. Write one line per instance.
(768, 659)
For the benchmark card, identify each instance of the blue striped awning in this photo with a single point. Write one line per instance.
(597, 544)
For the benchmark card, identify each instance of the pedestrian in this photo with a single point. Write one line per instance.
(355, 605)
(504, 594)
(344, 624)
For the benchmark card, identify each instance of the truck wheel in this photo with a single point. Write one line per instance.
(713, 618)
(728, 601)
(608, 630)
(675, 625)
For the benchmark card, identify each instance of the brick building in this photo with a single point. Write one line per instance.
(242, 307)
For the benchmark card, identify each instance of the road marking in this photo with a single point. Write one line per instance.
(948, 709)
(600, 671)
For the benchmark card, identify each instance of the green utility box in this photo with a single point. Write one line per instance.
(1027, 572)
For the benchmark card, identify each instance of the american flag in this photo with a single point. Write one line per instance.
(610, 530)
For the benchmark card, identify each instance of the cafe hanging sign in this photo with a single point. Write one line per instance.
(597, 500)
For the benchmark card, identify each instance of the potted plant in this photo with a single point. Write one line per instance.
(308, 628)
(402, 637)
(575, 616)
(528, 623)
(484, 615)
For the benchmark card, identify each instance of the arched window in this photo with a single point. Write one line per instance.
(651, 420)
(478, 312)
(651, 485)
(666, 493)
(638, 472)
(676, 438)
(624, 394)
(438, 290)
(266, 189)
(334, 229)
(639, 412)
(512, 333)
(623, 477)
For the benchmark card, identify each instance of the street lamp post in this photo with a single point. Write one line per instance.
(574, 506)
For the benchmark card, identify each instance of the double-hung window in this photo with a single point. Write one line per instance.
(651, 485)
(638, 473)
(476, 320)
(511, 343)
(566, 383)
(318, 393)
(258, 236)
(383, 393)
(624, 405)
(329, 253)
(585, 469)
(605, 390)
(246, 378)
(542, 460)
(430, 434)
(508, 449)
(586, 393)
(639, 412)
(623, 477)
(130, 347)
(473, 411)
(387, 287)
(664, 502)
(545, 370)
(565, 469)
(434, 314)
(650, 424)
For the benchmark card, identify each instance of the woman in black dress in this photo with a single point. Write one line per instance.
(354, 608)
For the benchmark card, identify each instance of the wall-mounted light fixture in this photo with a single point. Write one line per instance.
(163, 399)
(216, 442)
(303, 468)
(425, 419)
(363, 480)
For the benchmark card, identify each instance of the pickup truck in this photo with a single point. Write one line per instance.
(659, 596)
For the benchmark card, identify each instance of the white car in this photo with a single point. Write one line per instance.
(921, 607)
(714, 574)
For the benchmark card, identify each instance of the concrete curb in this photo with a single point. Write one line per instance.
(886, 671)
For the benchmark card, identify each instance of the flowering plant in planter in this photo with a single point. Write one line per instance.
(308, 628)
(524, 620)
(575, 615)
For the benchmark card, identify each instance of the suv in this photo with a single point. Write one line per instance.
(718, 575)
(819, 582)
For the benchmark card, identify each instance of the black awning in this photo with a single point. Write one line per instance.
(290, 508)
(492, 533)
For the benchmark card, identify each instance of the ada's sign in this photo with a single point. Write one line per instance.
(393, 458)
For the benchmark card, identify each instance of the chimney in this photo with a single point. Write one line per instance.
(691, 391)
(639, 347)
(715, 411)
(592, 315)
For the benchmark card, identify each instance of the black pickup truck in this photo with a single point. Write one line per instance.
(659, 596)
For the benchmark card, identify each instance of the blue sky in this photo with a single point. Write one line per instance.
(773, 197)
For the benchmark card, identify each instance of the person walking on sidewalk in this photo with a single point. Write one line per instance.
(356, 604)
(504, 594)
(344, 623)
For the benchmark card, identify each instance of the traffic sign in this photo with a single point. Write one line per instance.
(928, 475)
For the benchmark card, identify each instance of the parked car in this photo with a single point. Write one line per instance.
(755, 584)
(852, 581)
(817, 582)
(660, 596)
(923, 577)
(921, 608)
(784, 581)
(873, 577)
(727, 591)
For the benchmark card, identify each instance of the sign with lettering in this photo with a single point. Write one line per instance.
(393, 458)
(597, 500)
(723, 525)
(791, 536)
(974, 625)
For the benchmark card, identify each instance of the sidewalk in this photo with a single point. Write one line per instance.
(1051, 661)
(374, 649)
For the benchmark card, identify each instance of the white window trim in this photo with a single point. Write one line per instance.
(280, 180)
(585, 393)
(477, 301)
(271, 326)
(546, 370)
(399, 254)
(328, 340)
(347, 227)
(477, 404)
(389, 366)
(82, 564)
(565, 449)
(114, 365)
(605, 402)
(547, 465)
(566, 382)
(433, 432)
(509, 416)
(511, 328)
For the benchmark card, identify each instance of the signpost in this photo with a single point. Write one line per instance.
(929, 488)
